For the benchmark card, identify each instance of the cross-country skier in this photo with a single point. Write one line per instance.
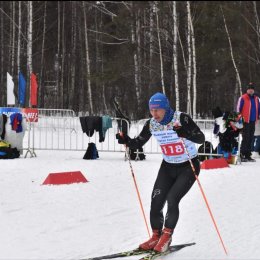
(176, 133)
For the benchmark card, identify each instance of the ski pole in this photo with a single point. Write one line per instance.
(204, 196)
(136, 187)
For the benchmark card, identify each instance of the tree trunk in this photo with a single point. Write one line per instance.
(194, 64)
(57, 65)
(175, 56)
(231, 53)
(13, 39)
(10, 39)
(87, 59)
(19, 36)
(41, 82)
(189, 61)
(136, 68)
(139, 60)
(102, 69)
(160, 50)
(151, 45)
(61, 90)
(73, 57)
(29, 47)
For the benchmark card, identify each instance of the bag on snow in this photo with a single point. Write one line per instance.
(91, 153)
(9, 153)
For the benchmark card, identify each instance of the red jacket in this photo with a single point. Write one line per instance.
(245, 110)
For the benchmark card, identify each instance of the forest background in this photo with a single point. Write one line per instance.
(85, 54)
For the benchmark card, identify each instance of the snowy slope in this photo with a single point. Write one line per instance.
(103, 216)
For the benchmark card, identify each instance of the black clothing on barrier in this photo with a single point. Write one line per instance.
(89, 124)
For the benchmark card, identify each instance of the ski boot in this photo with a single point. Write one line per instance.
(152, 242)
(165, 240)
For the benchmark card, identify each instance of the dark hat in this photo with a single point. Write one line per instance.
(250, 86)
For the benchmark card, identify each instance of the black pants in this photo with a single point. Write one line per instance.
(248, 137)
(172, 183)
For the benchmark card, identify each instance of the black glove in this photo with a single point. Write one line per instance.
(122, 139)
(183, 132)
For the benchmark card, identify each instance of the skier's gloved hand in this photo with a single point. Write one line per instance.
(177, 125)
(122, 138)
(181, 131)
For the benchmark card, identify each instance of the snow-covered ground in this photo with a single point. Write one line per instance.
(103, 216)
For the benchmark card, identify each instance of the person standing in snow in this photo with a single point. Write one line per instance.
(248, 106)
(176, 133)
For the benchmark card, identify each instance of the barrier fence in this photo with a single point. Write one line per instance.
(52, 131)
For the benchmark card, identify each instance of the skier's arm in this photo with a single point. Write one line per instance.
(139, 141)
(188, 129)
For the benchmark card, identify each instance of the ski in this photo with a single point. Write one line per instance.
(151, 254)
(133, 252)
(154, 255)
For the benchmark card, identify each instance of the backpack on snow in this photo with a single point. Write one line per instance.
(9, 153)
(91, 153)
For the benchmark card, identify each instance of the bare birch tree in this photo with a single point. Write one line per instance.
(29, 45)
(160, 48)
(136, 67)
(103, 84)
(19, 36)
(57, 65)
(175, 55)
(10, 36)
(189, 69)
(87, 59)
(61, 90)
(151, 37)
(41, 85)
(194, 64)
(13, 38)
(71, 90)
(231, 53)
(139, 61)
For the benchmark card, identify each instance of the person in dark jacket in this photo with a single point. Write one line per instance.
(248, 106)
(177, 134)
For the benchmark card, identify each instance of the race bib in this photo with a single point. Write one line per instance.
(173, 149)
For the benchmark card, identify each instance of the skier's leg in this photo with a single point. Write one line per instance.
(182, 185)
(162, 186)
(161, 189)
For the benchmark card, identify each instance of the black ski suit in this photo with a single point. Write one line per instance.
(174, 179)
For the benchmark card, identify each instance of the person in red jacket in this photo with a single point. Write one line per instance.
(248, 106)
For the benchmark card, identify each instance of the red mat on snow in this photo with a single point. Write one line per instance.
(214, 164)
(65, 178)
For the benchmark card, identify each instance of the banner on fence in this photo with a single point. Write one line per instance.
(31, 114)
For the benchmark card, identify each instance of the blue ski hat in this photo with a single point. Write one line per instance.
(159, 101)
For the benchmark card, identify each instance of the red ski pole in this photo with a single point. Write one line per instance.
(204, 196)
(136, 187)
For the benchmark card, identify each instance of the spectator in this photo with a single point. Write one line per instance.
(248, 106)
